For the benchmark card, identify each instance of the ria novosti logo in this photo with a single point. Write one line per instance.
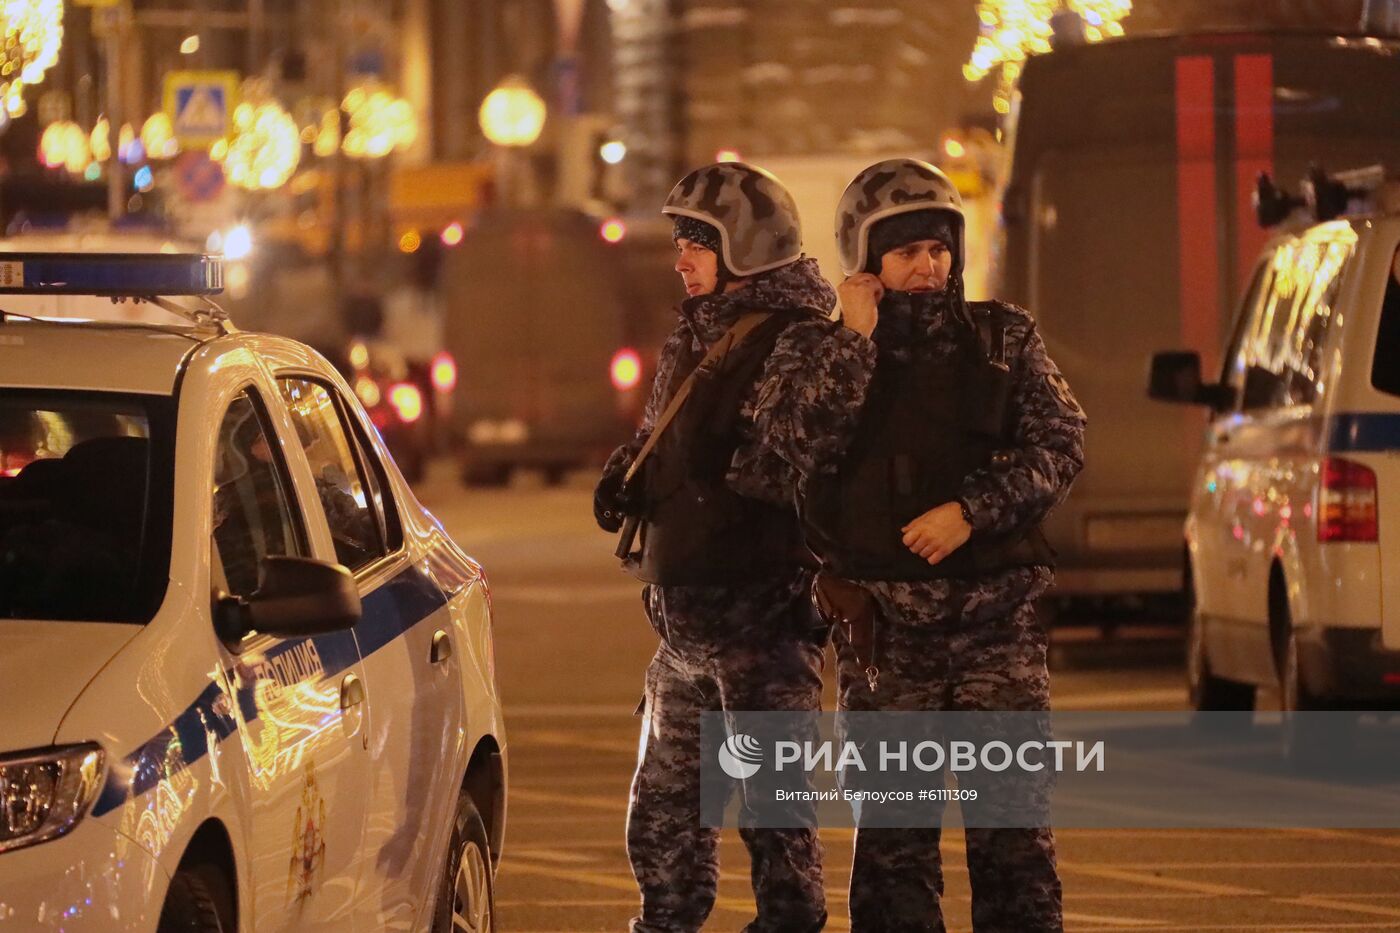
(740, 756)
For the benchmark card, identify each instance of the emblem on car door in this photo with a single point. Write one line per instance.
(308, 840)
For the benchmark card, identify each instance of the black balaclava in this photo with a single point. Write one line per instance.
(907, 316)
(707, 235)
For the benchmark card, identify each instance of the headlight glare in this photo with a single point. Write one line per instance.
(44, 793)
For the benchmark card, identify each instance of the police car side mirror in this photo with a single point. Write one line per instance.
(298, 597)
(1176, 377)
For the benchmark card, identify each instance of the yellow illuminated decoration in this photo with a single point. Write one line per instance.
(33, 36)
(266, 146)
(380, 123)
(158, 137)
(410, 241)
(101, 140)
(65, 145)
(326, 138)
(1013, 30)
(513, 114)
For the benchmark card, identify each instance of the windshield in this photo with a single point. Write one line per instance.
(86, 490)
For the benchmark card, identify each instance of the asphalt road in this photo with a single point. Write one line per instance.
(571, 646)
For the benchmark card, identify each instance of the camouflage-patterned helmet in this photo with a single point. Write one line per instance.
(756, 216)
(894, 186)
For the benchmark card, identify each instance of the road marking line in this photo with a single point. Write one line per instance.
(1392, 841)
(564, 740)
(1178, 884)
(573, 710)
(1270, 928)
(553, 819)
(1111, 700)
(574, 595)
(1330, 903)
(616, 803)
(553, 855)
(1212, 866)
(1132, 922)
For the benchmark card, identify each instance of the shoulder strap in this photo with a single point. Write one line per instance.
(731, 339)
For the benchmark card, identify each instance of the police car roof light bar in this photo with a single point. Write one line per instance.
(118, 275)
(1342, 193)
(1327, 196)
(1272, 204)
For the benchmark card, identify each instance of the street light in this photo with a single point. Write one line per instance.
(513, 114)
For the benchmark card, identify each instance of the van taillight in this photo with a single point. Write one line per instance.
(1346, 508)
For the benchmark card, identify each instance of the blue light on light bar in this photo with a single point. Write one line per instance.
(121, 274)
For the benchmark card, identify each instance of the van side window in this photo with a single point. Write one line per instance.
(1241, 353)
(1385, 365)
(1264, 376)
(1305, 344)
(1232, 366)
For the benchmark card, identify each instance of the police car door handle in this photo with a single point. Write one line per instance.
(352, 692)
(442, 647)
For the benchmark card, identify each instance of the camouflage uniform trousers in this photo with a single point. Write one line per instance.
(960, 645)
(774, 665)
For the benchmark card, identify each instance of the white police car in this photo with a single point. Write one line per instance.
(246, 680)
(1295, 509)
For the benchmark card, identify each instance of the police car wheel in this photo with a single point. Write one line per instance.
(466, 897)
(192, 903)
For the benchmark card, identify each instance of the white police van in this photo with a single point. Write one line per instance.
(246, 680)
(1295, 509)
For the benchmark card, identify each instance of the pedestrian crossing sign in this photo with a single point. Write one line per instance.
(200, 105)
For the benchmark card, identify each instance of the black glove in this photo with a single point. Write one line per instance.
(609, 503)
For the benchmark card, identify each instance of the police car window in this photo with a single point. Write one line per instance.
(253, 516)
(1234, 362)
(1262, 357)
(86, 493)
(1385, 365)
(1305, 345)
(385, 509)
(346, 497)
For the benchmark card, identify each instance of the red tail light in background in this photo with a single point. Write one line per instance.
(444, 372)
(407, 401)
(1346, 506)
(626, 369)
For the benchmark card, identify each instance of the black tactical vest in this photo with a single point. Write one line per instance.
(925, 426)
(695, 530)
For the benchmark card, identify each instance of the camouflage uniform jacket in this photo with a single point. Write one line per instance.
(797, 416)
(1047, 435)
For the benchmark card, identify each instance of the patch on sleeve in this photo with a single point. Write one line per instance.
(1060, 387)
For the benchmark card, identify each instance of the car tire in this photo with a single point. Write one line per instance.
(1209, 693)
(466, 894)
(192, 902)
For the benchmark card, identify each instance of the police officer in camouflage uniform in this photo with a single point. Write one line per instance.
(968, 437)
(720, 545)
